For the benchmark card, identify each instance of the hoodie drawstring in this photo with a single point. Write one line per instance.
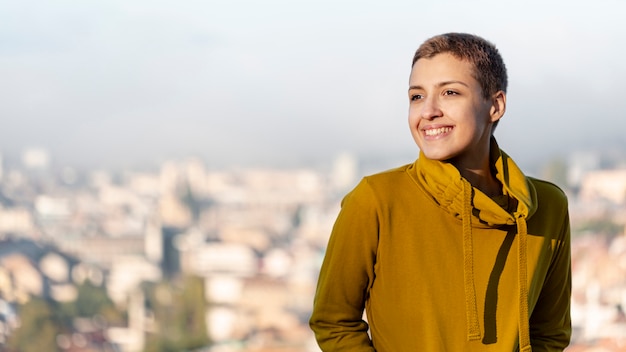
(524, 330)
(471, 310)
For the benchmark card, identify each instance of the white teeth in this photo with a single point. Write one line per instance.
(436, 131)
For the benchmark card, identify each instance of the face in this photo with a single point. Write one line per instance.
(448, 115)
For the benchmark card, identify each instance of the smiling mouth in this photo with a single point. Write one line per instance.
(437, 131)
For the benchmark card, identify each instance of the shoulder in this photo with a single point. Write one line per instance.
(551, 199)
(548, 190)
(388, 177)
(379, 186)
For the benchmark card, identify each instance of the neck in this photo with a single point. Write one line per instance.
(482, 179)
(476, 168)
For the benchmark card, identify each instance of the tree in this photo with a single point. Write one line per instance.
(93, 300)
(38, 329)
(179, 310)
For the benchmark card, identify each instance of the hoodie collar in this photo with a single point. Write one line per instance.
(445, 184)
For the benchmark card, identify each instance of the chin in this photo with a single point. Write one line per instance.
(433, 155)
(433, 151)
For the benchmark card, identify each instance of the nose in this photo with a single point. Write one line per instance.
(430, 108)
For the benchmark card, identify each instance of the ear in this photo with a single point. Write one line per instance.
(498, 106)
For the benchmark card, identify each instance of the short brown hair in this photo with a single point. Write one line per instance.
(489, 68)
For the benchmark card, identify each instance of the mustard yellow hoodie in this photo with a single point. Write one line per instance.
(439, 266)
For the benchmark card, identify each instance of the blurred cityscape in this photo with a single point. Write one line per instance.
(185, 258)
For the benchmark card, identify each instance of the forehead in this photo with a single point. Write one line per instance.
(441, 68)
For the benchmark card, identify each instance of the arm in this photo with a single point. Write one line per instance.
(550, 324)
(346, 275)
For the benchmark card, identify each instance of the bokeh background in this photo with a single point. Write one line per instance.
(170, 170)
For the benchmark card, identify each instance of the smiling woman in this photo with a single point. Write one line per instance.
(452, 114)
(439, 231)
(448, 115)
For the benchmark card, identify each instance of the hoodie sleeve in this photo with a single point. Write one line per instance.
(550, 323)
(346, 275)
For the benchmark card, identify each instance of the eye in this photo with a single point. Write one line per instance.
(416, 97)
(450, 92)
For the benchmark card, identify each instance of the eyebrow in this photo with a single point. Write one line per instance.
(441, 84)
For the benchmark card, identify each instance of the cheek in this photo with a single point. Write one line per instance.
(484, 111)
(413, 116)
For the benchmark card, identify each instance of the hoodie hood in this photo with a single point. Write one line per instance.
(446, 185)
(457, 196)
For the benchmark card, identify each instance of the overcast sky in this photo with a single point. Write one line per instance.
(251, 83)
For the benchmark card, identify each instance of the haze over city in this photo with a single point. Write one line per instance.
(283, 83)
